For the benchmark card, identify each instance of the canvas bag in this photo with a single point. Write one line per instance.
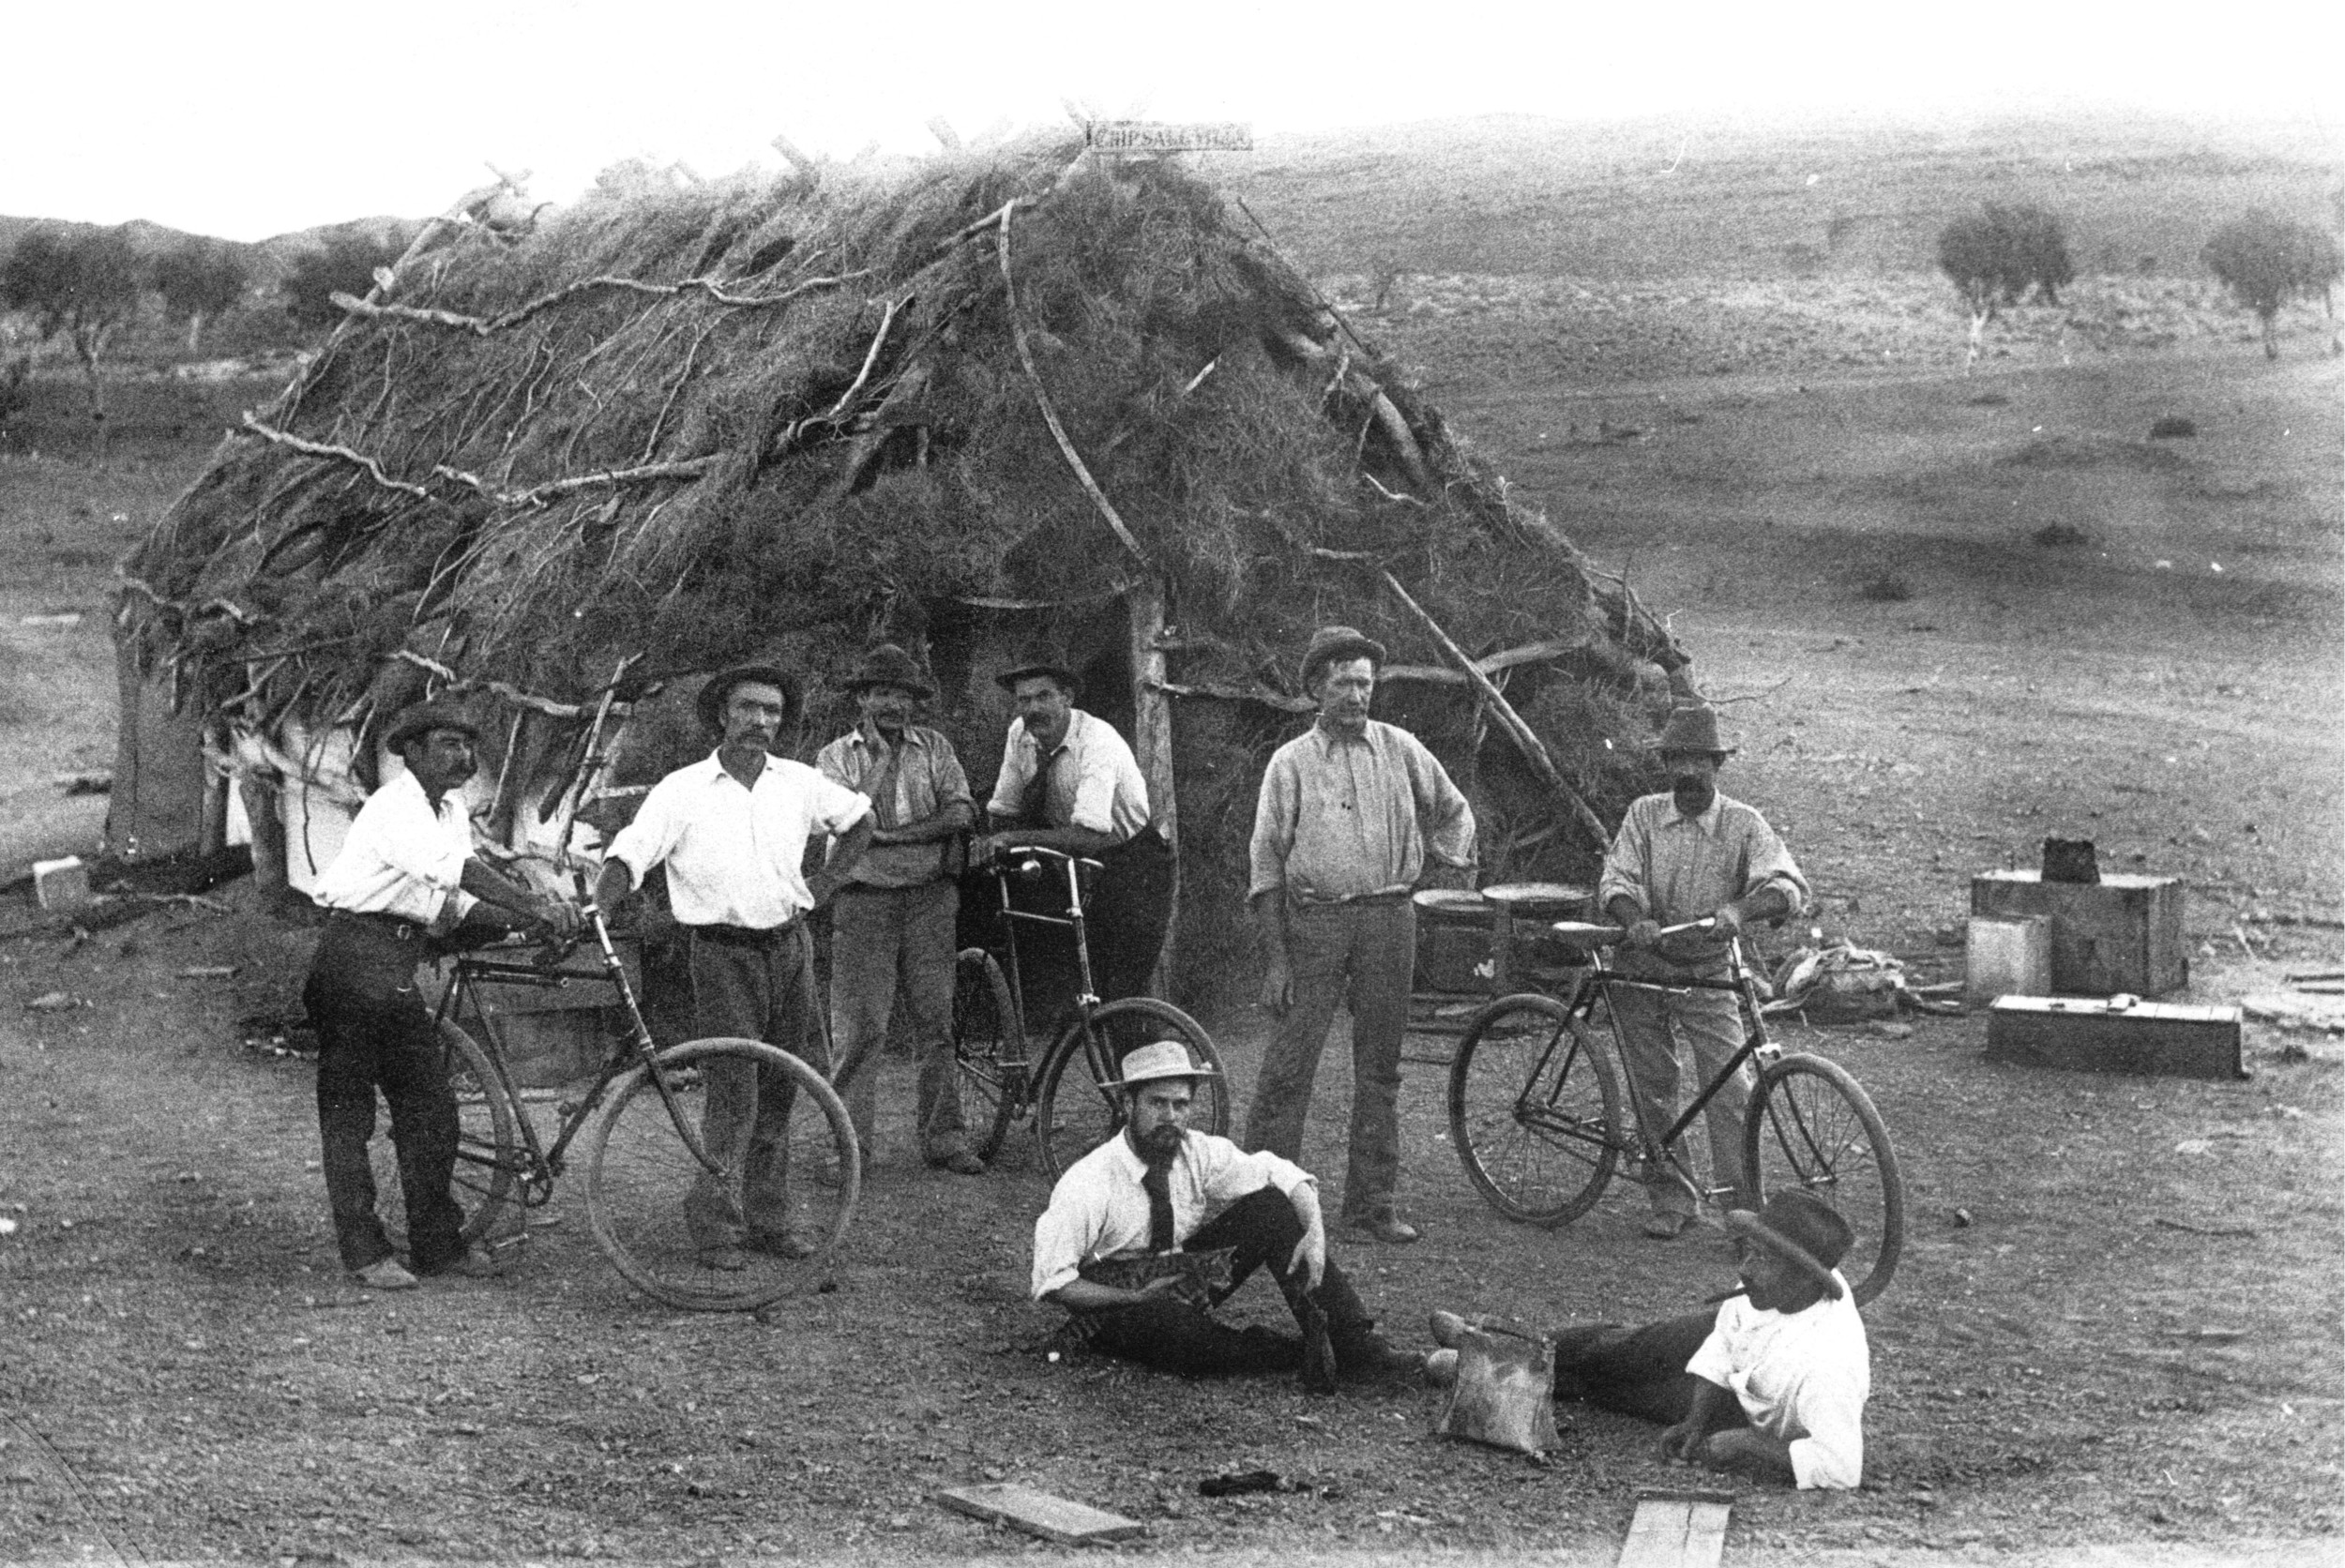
(1504, 1391)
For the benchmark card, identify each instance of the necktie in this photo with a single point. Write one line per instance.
(1157, 1180)
(883, 791)
(1033, 808)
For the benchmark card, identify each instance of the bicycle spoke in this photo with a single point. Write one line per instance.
(1814, 1128)
(1532, 1108)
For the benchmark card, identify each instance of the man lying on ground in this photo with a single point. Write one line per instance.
(1772, 1385)
(1127, 1248)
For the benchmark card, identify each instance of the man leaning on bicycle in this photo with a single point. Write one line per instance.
(1689, 854)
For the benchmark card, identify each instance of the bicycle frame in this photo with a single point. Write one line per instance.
(1087, 993)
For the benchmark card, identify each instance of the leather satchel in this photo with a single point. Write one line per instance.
(1504, 1391)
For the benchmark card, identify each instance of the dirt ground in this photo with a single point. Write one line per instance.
(2116, 1337)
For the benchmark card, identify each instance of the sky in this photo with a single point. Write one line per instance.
(246, 118)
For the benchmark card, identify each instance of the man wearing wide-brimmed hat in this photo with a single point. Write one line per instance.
(1772, 1384)
(891, 928)
(733, 831)
(1069, 782)
(1691, 854)
(1132, 1245)
(405, 874)
(1350, 815)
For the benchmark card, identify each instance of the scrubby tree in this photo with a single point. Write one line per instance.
(200, 279)
(346, 266)
(2266, 260)
(81, 285)
(1995, 255)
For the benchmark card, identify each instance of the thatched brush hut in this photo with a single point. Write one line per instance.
(996, 396)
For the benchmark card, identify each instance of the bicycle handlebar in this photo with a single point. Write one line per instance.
(1606, 936)
(1035, 854)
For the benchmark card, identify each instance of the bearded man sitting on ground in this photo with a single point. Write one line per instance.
(1771, 1385)
(1128, 1247)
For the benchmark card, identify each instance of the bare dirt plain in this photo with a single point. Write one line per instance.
(2069, 1378)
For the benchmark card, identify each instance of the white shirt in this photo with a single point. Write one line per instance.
(1802, 1377)
(1095, 785)
(403, 858)
(1100, 1208)
(735, 854)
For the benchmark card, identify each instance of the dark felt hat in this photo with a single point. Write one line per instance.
(1039, 660)
(889, 665)
(1330, 644)
(1692, 730)
(1802, 1229)
(441, 712)
(710, 704)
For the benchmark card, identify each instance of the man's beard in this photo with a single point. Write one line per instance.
(1693, 795)
(1159, 1146)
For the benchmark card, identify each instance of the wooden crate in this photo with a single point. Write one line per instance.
(2007, 958)
(2120, 934)
(2087, 1035)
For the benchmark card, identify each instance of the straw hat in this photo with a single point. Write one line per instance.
(1157, 1060)
(1801, 1228)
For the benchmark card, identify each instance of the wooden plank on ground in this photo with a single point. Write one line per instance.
(1053, 1518)
(1676, 1530)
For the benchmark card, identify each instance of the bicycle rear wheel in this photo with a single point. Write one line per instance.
(1812, 1127)
(1535, 1110)
(488, 1143)
(1074, 1115)
(640, 1171)
(988, 1051)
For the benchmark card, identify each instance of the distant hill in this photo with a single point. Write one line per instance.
(268, 260)
(1526, 196)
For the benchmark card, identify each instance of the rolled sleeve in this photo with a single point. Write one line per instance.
(1832, 1454)
(1623, 873)
(1095, 792)
(1017, 772)
(647, 840)
(1274, 827)
(836, 809)
(1772, 866)
(1059, 1238)
(1449, 830)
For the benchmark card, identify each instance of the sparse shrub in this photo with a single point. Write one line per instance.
(1995, 255)
(81, 285)
(2060, 535)
(200, 279)
(1885, 587)
(2172, 427)
(2264, 260)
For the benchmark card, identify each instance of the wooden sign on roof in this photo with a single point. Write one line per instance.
(1159, 136)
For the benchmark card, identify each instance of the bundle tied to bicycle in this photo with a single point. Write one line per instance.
(963, 403)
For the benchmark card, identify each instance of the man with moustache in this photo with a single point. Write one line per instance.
(405, 876)
(891, 928)
(733, 831)
(1772, 1384)
(1349, 814)
(1068, 783)
(1127, 1246)
(1689, 854)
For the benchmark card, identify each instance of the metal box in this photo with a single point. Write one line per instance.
(2120, 934)
(2094, 1037)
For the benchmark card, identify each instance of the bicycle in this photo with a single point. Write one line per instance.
(638, 1129)
(1535, 1111)
(1074, 1113)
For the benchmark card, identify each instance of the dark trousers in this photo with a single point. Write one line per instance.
(374, 1033)
(1129, 914)
(754, 991)
(1175, 1337)
(1639, 1372)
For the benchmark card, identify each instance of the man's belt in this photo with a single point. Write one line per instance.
(1399, 896)
(745, 936)
(397, 928)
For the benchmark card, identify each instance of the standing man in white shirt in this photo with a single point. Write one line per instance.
(733, 831)
(892, 927)
(1773, 1384)
(406, 873)
(1350, 813)
(1132, 1247)
(1069, 782)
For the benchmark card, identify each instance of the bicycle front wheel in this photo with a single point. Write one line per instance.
(488, 1143)
(1811, 1125)
(988, 1051)
(766, 1225)
(1074, 1114)
(1534, 1108)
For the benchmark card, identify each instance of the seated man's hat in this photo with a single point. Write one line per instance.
(889, 665)
(1157, 1060)
(1692, 730)
(439, 713)
(710, 704)
(1802, 1230)
(1040, 659)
